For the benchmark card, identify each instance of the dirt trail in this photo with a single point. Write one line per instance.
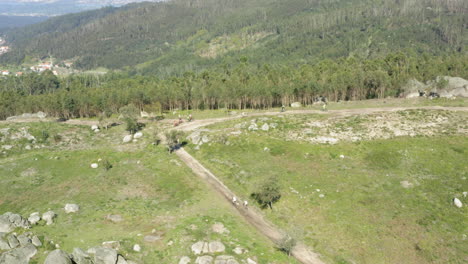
(342, 112)
(251, 214)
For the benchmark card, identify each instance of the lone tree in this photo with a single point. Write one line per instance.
(130, 116)
(173, 139)
(267, 193)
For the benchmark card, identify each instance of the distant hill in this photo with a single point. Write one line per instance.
(180, 35)
(19, 21)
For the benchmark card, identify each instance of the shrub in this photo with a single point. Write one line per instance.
(107, 165)
(286, 244)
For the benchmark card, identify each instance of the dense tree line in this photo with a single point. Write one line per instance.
(245, 85)
(166, 38)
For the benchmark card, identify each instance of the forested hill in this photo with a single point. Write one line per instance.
(181, 35)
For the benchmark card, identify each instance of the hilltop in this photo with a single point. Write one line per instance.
(176, 36)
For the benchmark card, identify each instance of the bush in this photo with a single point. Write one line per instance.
(267, 193)
(57, 138)
(173, 139)
(131, 125)
(107, 165)
(286, 244)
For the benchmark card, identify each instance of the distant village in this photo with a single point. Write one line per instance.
(3, 47)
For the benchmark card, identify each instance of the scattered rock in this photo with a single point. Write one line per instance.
(184, 260)
(94, 127)
(342, 156)
(138, 135)
(58, 257)
(216, 247)
(151, 238)
(197, 248)
(225, 260)
(23, 240)
(253, 127)
(219, 228)
(238, 250)
(127, 138)
(72, 208)
(36, 241)
(7, 147)
(204, 260)
(251, 261)
(265, 127)
(406, 184)
(465, 194)
(321, 195)
(114, 218)
(136, 248)
(49, 217)
(104, 255)
(18, 255)
(80, 257)
(94, 166)
(34, 218)
(457, 203)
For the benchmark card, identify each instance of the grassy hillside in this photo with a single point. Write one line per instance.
(382, 194)
(152, 191)
(177, 35)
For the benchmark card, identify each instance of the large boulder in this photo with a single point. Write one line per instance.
(455, 87)
(34, 218)
(18, 255)
(204, 260)
(23, 240)
(5, 225)
(49, 217)
(17, 220)
(138, 135)
(457, 203)
(81, 257)
(127, 139)
(71, 208)
(197, 248)
(58, 257)
(104, 255)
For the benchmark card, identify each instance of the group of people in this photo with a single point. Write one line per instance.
(180, 121)
(236, 202)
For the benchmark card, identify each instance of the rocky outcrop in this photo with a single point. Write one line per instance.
(58, 257)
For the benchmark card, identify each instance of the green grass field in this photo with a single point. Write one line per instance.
(355, 209)
(146, 185)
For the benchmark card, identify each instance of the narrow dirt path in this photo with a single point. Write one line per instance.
(251, 214)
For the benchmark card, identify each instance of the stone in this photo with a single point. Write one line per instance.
(296, 105)
(94, 127)
(342, 156)
(7, 147)
(28, 147)
(36, 241)
(253, 127)
(18, 255)
(49, 217)
(121, 260)
(204, 260)
(34, 218)
(197, 248)
(238, 250)
(23, 240)
(321, 195)
(457, 203)
(144, 114)
(406, 184)
(58, 257)
(251, 261)
(71, 208)
(465, 194)
(138, 135)
(105, 255)
(184, 260)
(205, 139)
(97, 130)
(265, 127)
(216, 247)
(81, 257)
(41, 115)
(225, 260)
(127, 138)
(17, 220)
(136, 248)
(219, 228)
(94, 166)
(5, 225)
(266, 149)
(4, 243)
(114, 218)
(151, 238)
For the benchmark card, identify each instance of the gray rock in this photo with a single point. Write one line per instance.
(457, 203)
(296, 105)
(121, 260)
(4, 245)
(238, 250)
(406, 184)
(94, 127)
(36, 241)
(16, 220)
(105, 255)
(127, 139)
(253, 127)
(225, 260)
(151, 238)
(138, 135)
(114, 218)
(23, 240)
(219, 228)
(5, 225)
(205, 139)
(216, 247)
(80, 257)
(13, 241)
(58, 257)
(49, 217)
(71, 208)
(184, 260)
(136, 248)
(41, 115)
(18, 255)
(34, 218)
(204, 260)
(251, 261)
(197, 248)
(7, 147)
(265, 127)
